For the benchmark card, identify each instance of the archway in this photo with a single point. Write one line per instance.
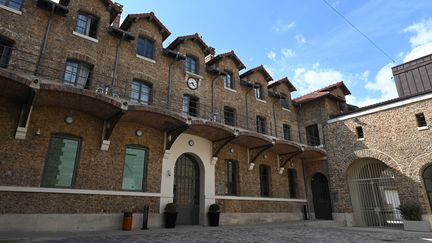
(427, 180)
(321, 197)
(374, 194)
(187, 190)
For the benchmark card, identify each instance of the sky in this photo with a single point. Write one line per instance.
(306, 40)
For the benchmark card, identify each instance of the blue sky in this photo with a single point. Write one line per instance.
(305, 40)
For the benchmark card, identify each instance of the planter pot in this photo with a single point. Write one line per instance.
(170, 220)
(214, 218)
(422, 226)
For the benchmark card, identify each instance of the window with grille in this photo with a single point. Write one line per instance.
(287, 132)
(264, 172)
(292, 183)
(261, 125)
(5, 52)
(145, 47)
(190, 105)
(141, 92)
(360, 134)
(228, 81)
(135, 169)
(77, 74)
(231, 172)
(87, 24)
(312, 135)
(60, 165)
(191, 65)
(14, 4)
(421, 120)
(258, 92)
(229, 116)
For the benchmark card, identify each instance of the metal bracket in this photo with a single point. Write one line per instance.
(285, 158)
(218, 145)
(260, 150)
(174, 134)
(111, 123)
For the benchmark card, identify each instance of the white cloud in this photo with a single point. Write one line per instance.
(272, 55)
(384, 83)
(300, 39)
(287, 52)
(418, 52)
(307, 80)
(281, 26)
(422, 32)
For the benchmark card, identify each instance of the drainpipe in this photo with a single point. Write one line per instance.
(274, 118)
(298, 122)
(170, 84)
(45, 42)
(247, 107)
(114, 80)
(212, 95)
(305, 187)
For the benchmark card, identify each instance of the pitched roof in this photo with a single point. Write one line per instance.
(261, 69)
(115, 9)
(195, 37)
(286, 81)
(230, 54)
(335, 86)
(323, 92)
(151, 17)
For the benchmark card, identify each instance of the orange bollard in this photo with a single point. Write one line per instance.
(127, 221)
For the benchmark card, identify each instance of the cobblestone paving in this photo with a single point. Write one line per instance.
(268, 233)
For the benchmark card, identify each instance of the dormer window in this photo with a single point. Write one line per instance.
(145, 48)
(14, 4)
(228, 81)
(86, 25)
(258, 92)
(284, 102)
(191, 65)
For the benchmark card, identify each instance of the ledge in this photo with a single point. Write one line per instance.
(260, 199)
(193, 75)
(229, 89)
(145, 58)
(85, 37)
(423, 128)
(11, 9)
(285, 109)
(77, 191)
(260, 100)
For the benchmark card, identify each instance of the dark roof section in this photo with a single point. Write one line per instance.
(316, 95)
(285, 81)
(151, 17)
(230, 54)
(195, 37)
(120, 33)
(261, 69)
(340, 84)
(387, 102)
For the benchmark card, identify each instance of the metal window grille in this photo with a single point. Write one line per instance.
(261, 125)
(229, 116)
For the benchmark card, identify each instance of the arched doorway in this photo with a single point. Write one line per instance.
(374, 194)
(427, 180)
(187, 190)
(321, 197)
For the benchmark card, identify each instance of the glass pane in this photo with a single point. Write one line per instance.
(140, 47)
(135, 91)
(60, 164)
(83, 76)
(186, 100)
(145, 94)
(70, 73)
(134, 169)
(82, 24)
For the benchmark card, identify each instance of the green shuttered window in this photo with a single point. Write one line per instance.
(135, 169)
(61, 161)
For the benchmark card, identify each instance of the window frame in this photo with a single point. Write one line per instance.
(188, 68)
(285, 128)
(421, 120)
(146, 42)
(7, 4)
(229, 81)
(232, 188)
(6, 47)
(315, 138)
(258, 92)
(284, 105)
(360, 133)
(145, 167)
(261, 125)
(80, 64)
(76, 161)
(263, 185)
(232, 121)
(141, 84)
(91, 30)
(292, 183)
(197, 107)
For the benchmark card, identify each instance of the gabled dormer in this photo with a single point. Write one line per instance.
(257, 78)
(148, 17)
(230, 65)
(282, 90)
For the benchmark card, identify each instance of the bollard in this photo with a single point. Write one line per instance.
(145, 217)
(127, 221)
(305, 216)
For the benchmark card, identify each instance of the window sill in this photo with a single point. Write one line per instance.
(11, 9)
(145, 58)
(360, 139)
(260, 100)
(423, 128)
(86, 37)
(193, 75)
(285, 109)
(231, 90)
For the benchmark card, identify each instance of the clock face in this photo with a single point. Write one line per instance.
(192, 83)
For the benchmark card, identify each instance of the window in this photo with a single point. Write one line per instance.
(261, 125)
(191, 65)
(264, 172)
(15, 4)
(141, 92)
(360, 134)
(61, 161)
(258, 92)
(284, 102)
(5, 52)
(287, 132)
(292, 183)
(190, 105)
(421, 120)
(77, 74)
(145, 47)
(135, 169)
(228, 81)
(231, 172)
(87, 24)
(312, 135)
(229, 116)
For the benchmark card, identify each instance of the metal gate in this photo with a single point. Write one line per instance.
(321, 197)
(374, 194)
(186, 190)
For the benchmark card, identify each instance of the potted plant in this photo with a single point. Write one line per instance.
(170, 215)
(214, 214)
(412, 217)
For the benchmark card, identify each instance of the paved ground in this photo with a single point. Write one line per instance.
(255, 233)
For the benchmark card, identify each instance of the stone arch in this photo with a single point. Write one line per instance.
(371, 153)
(418, 165)
(82, 57)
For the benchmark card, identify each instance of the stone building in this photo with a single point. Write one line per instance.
(101, 118)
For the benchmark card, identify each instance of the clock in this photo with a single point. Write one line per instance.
(192, 83)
